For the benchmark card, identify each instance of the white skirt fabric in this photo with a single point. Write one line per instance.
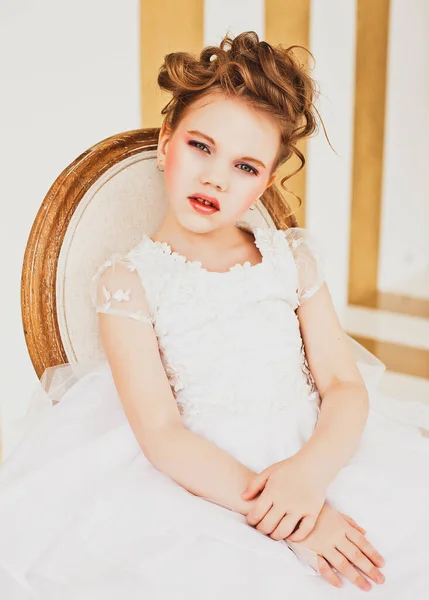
(85, 516)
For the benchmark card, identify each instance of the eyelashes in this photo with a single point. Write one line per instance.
(252, 171)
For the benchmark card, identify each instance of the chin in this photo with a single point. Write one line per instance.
(196, 223)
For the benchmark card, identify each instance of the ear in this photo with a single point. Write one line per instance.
(163, 140)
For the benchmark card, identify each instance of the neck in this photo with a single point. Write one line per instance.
(202, 244)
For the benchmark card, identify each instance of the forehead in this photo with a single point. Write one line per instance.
(233, 120)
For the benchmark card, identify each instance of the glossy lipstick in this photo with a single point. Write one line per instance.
(204, 208)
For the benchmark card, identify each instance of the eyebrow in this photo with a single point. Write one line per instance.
(211, 140)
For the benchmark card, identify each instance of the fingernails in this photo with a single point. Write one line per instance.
(379, 579)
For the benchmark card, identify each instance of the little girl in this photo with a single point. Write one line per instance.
(228, 444)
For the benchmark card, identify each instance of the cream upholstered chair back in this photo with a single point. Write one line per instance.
(102, 203)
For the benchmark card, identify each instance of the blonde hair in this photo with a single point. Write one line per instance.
(269, 77)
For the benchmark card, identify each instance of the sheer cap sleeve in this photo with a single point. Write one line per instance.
(308, 260)
(116, 289)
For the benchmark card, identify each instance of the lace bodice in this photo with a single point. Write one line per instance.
(229, 342)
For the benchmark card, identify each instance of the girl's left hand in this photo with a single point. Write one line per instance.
(291, 493)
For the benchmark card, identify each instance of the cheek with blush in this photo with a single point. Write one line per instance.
(170, 170)
(179, 170)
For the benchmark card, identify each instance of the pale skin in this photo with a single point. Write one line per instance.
(194, 164)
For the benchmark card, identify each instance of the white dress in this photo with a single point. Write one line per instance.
(85, 516)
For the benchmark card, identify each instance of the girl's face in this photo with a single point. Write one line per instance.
(222, 148)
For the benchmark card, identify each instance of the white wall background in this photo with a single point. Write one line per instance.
(69, 78)
(222, 16)
(329, 175)
(404, 254)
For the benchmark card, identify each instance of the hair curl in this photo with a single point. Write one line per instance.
(270, 78)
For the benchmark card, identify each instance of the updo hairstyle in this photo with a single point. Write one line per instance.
(270, 78)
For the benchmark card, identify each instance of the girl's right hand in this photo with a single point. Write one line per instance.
(340, 544)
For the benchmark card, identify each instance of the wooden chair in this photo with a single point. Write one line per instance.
(101, 203)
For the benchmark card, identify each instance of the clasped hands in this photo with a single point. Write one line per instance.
(290, 504)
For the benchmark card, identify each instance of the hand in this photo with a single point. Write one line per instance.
(341, 544)
(292, 496)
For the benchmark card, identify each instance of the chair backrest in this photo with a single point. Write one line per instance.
(101, 203)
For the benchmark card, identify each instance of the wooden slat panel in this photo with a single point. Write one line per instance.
(166, 26)
(287, 22)
(368, 150)
(406, 305)
(402, 359)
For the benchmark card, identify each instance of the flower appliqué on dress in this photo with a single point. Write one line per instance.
(118, 295)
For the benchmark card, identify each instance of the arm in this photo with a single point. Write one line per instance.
(344, 410)
(201, 467)
(344, 398)
(132, 351)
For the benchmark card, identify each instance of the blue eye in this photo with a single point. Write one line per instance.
(197, 144)
(252, 170)
(194, 142)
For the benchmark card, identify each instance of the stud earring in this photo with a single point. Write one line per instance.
(158, 167)
(255, 204)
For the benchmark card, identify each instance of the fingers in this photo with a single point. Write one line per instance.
(343, 566)
(285, 527)
(258, 512)
(270, 523)
(251, 491)
(256, 485)
(266, 518)
(305, 528)
(358, 559)
(327, 573)
(361, 542)
(353, 523)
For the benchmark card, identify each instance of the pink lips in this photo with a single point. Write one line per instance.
(203, 209)
(211, 199)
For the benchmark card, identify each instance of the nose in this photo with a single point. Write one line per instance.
(215, 178)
